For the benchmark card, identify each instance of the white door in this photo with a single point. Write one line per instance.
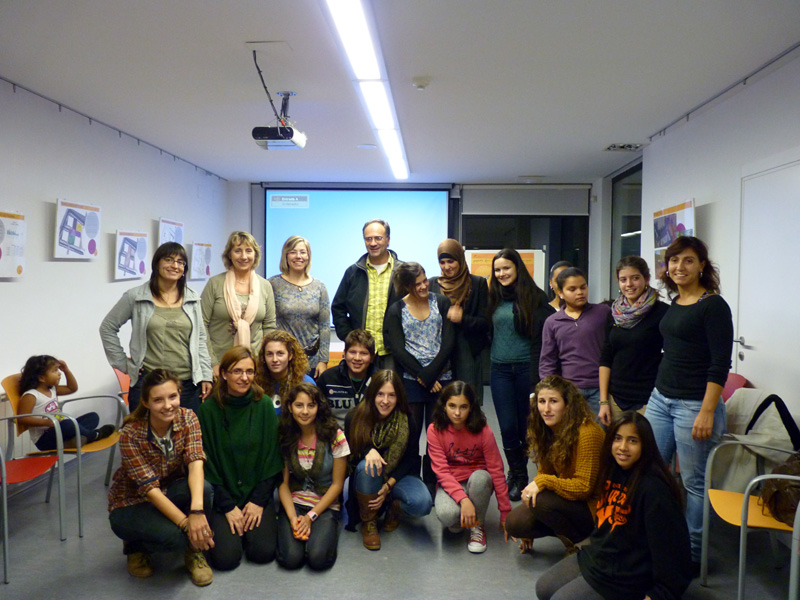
(769, 284)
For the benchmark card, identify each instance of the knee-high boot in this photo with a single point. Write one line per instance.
(369, 523)
(517, 477)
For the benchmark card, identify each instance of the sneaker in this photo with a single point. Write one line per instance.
(139, 564)
(477, 540)
(198, 568)
(104, 432)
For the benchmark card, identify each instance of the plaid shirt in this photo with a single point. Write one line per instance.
(144, 465)
(378, 298)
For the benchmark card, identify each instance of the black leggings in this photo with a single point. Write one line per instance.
(259, 544)
(552, 515)
(319, 551)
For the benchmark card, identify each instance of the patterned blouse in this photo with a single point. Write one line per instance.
(424, 338)
(306, 314)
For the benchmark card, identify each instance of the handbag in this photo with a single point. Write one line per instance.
(781, 496)
(756, 417)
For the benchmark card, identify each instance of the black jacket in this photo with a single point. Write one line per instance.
(474, 324)
(349, 306)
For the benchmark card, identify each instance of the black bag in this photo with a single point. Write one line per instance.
(781, 496)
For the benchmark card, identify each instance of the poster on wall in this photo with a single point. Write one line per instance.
(480, 263)
(12, 244)
(669, 224)
(201, 261)
(131, 256)
(77, 230)
(170, 231)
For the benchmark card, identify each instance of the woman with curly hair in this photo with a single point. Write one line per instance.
(564, 441)
(315, 454)
(282, 364)
(385, 459)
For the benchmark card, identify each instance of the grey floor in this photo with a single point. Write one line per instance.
(416, 560)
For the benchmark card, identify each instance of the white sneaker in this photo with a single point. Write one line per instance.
(477, 540)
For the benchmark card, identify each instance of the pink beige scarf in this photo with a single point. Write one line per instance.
(241, 319)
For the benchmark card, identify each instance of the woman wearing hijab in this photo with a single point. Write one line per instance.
(469, 296)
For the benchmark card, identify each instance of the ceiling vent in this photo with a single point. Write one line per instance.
(627, 147)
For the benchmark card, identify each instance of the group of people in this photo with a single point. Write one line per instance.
(231, 397)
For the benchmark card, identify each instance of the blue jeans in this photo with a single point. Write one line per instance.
(510, 383)
(87, 425)
(415, 499)
(672, 420)
(592, 396)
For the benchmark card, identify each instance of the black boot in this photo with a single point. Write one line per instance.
(517, 477)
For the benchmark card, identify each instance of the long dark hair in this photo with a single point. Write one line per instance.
(405, 277)
(34, 368)
(476, 420)
(366, 415)
(288, 429)
(561, 264)
(154, 378)
(527, 295)
(650, 460)
(709, 276)
(175, 250)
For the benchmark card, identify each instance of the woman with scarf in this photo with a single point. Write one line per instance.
(632, 350)
(469, 296)
(518, 309)
(238, 305)
(243, 463)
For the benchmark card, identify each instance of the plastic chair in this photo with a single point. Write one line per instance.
(733, 383)
(738, 508)
(11, 386)
(124, 385)
(4, 511)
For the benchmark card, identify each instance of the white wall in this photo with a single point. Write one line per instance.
(703, 159)
(57, 306)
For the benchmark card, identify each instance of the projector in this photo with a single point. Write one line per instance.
(279, 138)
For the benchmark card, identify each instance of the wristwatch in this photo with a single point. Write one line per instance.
(312, 515)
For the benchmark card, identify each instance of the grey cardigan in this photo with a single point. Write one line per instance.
(137, 306)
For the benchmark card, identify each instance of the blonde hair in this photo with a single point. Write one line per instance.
(290, 245)
(236, 238)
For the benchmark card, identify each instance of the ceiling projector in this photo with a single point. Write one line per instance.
(279, 138)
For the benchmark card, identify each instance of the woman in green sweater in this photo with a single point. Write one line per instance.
(243, 463)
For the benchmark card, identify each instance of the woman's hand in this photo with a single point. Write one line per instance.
(374, 463)
(215, 371)
(205, 388)
(200, 534)
(378, 501)
(468, 516)
(436, 387)
(321, 368)
(302, 527)
(235, 519)
(455, 313)
(605, 414)
(529, 494)
(525, 545)
(252, 516)
(703, 425)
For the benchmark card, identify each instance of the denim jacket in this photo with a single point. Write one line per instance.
(137, 306)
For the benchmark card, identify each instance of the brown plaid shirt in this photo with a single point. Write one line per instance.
(144, 465)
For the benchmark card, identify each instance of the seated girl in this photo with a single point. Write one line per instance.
(467, 464)
(315, 454)
(385, 459)
(240, 438)
(640, 548)
(158, 497)
(282, 364)
(564, 441)
(39, 389)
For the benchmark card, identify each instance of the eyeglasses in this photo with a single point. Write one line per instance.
(297, 253)
(377, 238)
(240, 372)
(172, 260)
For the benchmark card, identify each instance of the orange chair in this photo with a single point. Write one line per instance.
(744, 508)
(4, 509)
(124, 385)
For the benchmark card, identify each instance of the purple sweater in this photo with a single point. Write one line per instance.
(571, 347)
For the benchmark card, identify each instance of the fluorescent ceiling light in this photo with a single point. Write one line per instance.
(377, 101)
(630, 233)
(351, 24)
(393, 148)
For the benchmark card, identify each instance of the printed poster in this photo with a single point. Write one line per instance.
(12, 244)
(480, 263)
(131, 256)
(201, 261)
(669, 224)
(170, 231)
(77, 230)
